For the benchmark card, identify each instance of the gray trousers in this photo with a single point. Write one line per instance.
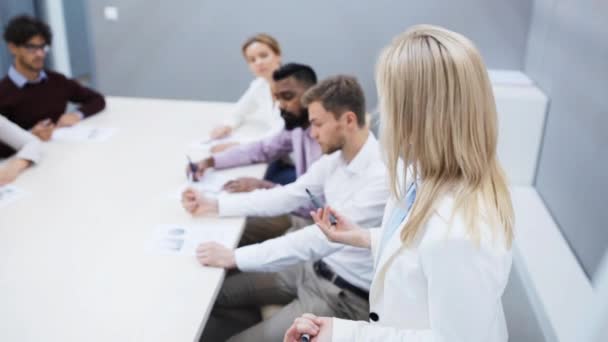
(260, 229)
(236, 315)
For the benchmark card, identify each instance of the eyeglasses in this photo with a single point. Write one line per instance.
(33, 48)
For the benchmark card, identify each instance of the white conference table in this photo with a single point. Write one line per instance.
(73, 259)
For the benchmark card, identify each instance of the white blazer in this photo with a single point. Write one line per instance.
(444, 287)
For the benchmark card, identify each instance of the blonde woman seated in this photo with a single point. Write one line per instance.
(263, 55)
(443, 255)
(27, 146)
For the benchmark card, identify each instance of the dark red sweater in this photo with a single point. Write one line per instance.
(49, 99)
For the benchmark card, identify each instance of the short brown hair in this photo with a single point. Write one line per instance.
(338, 94)
(265, 39)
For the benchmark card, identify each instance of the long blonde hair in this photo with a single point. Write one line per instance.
(439, 118)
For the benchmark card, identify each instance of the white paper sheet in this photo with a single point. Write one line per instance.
(83, 133)
(211, 184)
(176, 239)
(9, 194)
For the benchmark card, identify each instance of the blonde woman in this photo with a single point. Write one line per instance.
(27, 147)
(263, 55)
(443, 255)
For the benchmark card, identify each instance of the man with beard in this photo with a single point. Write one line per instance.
(302, 269)
(34, 98)
(291, 81)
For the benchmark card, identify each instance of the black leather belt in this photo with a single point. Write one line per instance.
(323, 270)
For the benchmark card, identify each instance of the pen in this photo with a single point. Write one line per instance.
(193, 168)
(305, 338)
(317, 203)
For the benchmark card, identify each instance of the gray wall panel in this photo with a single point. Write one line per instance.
(190, 49)
(571, 65)
(8, 9)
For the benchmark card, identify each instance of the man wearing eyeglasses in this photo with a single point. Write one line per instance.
(32, 97)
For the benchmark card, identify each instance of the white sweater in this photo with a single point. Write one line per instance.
(257, 106)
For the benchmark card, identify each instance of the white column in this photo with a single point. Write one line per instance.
(60, 48)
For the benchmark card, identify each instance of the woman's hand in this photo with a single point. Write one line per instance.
(220, 132)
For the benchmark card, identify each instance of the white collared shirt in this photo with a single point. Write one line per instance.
(358, 190)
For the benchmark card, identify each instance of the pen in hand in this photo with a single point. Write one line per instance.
(193, 168)
(318, 204)
(305, 338)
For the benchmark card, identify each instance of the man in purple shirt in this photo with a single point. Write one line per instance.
(291, 82)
